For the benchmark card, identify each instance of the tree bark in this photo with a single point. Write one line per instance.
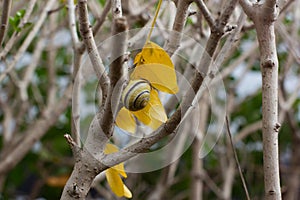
(264, 17)
(270, 125)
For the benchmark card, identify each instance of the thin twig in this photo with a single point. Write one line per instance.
(16, 35)
(173, 43)
(28, 39)
(29, 73)
(205, 12)
(51, 71)
(286, 6)
(72, 23)
(35, 131)
(76, 76)
(293, 44)
(90, 44)
(98, 24)
(211, 184)
(101, 19)
(75, 148)
(237, 160)
(8, 118)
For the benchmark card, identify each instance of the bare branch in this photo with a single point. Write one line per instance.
(270, 8)
(116, 74)
(229, 44)
(185, 107)
(292, 44)
(197, 168)
(51, 71)
(10, 43)
(205, 12)
(75, 148)
(98, 24)
(23, 84)
(34, 132)
(72, 23)
(116, 9)
(101, 19)
(4, 18)
(8, 118)
(172, 44)
(251, 128)
(288, 4)
(211, 184)
(88, 38)
(263, 18)
(76, 76)
(247, 7)
(236, 159)
(28, 39)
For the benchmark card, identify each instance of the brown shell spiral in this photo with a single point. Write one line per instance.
(136, 95)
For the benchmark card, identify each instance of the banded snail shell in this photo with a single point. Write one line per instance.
(136, 95)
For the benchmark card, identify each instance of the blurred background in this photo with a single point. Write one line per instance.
(36, 75)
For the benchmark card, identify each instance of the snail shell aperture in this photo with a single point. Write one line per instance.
(136, 95)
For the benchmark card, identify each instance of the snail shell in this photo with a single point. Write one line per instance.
(136, 95)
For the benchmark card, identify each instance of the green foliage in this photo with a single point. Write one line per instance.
(250, 109)
(15, 21)
(102, 2)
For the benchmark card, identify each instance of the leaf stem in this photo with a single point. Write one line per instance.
(154, 20)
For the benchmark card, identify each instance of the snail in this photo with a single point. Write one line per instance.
(136, 95)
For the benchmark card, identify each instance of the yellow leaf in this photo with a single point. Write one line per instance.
(153, 53)
(157, 110)
(153, 113)
(127, 192)
(120, 169)
(125, 120)
(110, 148)
(155, 65)
(156, 120)
(115, 182)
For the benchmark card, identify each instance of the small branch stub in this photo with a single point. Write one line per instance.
(75, 148)
(268, 64)
(277, 127)
(70, 140)
(74, 192)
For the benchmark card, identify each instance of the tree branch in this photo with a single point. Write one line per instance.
(98, 24)
(247, 7)
(205, 12)
(236, 159)
(76, 76)
(172, 44)
(101, 19)
(72, 23)
(4, 18)
(197, 168)
(185, 107)
(16, 35)
(88, 38)
(263, 18)
(116, 9)
(28, 39)
(35, 132)
(116, 73)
